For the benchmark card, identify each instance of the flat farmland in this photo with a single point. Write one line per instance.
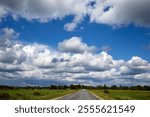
(32, 94)
(46, 94)
(122, 94)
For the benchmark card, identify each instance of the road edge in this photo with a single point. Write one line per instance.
(99, 98)
(58, 98)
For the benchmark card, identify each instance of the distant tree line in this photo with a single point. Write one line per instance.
(77, 87)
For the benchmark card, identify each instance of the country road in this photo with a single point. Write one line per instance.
(80, 95)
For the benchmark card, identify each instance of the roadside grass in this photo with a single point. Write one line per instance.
(32, 94)
(46, 94)
(122, 94)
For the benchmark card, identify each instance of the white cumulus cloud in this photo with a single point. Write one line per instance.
(75, 45)
(45, 10)
(121, 12)
(74, 62)
(111, 12)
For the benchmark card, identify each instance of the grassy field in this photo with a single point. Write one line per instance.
(32, 94)
(122, 94)
(46, 94)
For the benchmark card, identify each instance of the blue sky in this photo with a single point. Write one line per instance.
(129, 39)
(115, 42)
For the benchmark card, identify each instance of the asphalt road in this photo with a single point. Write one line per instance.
(80, 95)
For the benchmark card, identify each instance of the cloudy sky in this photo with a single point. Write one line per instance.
(90, 42)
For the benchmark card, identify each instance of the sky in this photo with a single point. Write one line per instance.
(62, 42)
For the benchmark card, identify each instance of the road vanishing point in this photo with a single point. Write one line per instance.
(80, 95)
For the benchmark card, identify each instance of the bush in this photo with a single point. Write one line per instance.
(18, 94)
(4, 96)
(106, 91)
(36, 93)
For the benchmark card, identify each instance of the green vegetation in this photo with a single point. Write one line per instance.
(32, 94)
(122, 94)
(54, 91)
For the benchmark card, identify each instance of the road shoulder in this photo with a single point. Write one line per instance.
(60, 97)
(99, 98)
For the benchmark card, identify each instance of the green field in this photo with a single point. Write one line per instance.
(46, 94)
(122, 94)
(32, 94)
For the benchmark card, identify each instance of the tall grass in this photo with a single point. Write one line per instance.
(32, 94)
(123, 94)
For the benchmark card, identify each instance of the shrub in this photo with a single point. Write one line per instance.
(36, 93)
(106, 91)
(18, 94)
(4, 96)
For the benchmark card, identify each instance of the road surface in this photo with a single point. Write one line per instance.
(80, 95)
